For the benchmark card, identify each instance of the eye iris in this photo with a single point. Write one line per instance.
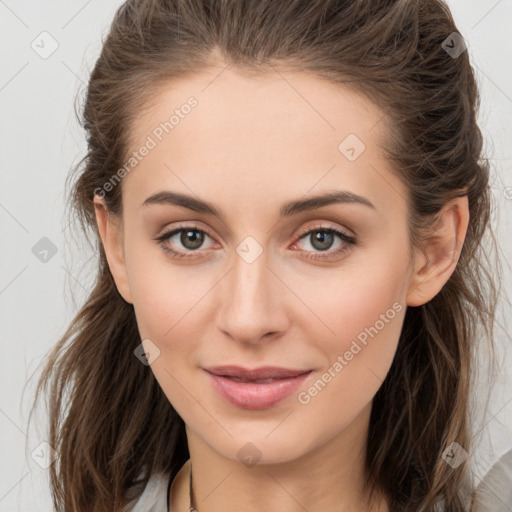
(322, 236)
(196, 237)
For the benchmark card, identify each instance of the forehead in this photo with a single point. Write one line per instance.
(279, 132)
(302, 103)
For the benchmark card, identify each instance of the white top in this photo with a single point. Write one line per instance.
(494, 492)
(155, 495)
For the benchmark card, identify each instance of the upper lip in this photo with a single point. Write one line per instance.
(264, 372)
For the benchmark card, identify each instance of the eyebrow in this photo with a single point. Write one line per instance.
(287, 210)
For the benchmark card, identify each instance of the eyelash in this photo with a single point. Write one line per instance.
(351, 241)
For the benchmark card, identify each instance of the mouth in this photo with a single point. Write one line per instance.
(265, 373)
(259, 388)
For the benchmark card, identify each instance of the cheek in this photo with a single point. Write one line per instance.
(357, 359)
(168, 308)
(363, 300)
(361, 311)
(164, 295)
(369, 316)
(365, 325)
(169, 312)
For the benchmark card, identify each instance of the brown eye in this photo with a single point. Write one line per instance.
(194, 237)
(321, 239)
(183, 242)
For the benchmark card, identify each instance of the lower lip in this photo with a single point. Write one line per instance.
(250, 395)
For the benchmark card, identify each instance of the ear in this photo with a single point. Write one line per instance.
(110, 230)
(437, 260)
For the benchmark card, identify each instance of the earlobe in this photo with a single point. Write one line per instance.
(110, 232)
(437, 260)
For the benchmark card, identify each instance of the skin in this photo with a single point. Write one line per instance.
(251, 145)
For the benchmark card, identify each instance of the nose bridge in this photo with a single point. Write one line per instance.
(251, 304)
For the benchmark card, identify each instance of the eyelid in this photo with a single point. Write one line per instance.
(183, 226)
(319, 226)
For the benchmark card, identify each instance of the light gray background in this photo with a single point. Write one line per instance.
(40, 140)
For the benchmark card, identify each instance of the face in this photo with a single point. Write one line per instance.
(262, 275)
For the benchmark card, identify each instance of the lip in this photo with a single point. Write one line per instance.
(263, 372)
(248, 394)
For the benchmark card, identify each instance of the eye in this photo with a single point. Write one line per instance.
(189, 237)
(321, 239)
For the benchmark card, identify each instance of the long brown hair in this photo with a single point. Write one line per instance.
(109, 420)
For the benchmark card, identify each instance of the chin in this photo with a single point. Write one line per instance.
(259, 448)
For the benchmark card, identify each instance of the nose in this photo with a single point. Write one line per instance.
(252, 302)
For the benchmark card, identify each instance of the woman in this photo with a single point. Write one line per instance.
(292, 216)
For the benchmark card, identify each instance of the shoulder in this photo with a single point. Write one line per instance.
(494, 492)
(154, 495)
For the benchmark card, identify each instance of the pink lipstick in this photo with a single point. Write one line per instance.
(259, 388)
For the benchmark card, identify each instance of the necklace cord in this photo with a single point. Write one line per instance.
(192, 504)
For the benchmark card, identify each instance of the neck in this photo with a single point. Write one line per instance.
(329, 478)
